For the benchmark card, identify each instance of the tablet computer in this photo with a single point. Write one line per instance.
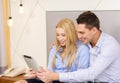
(31, 62)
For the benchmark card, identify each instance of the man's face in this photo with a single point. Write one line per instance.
(85, 35)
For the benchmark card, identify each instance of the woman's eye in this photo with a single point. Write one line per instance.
(57, 35)
(63, 35)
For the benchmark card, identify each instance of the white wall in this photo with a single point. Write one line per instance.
(28, 34)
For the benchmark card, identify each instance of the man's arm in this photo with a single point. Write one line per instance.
(47, 75)
(104, 59)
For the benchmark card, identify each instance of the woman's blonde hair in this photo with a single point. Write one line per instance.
(71, 47)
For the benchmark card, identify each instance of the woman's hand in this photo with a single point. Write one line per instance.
(31, 74)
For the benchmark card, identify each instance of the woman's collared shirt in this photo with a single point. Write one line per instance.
(81, 61)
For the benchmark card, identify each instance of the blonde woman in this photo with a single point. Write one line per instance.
(68, 54)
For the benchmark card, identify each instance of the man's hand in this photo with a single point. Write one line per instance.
(51, 45)
(47, 76)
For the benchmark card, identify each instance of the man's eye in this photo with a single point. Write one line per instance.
(81, 32)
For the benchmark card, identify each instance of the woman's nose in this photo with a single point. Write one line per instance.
(60, 38)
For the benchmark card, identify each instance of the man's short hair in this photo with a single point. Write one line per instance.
(90, 19)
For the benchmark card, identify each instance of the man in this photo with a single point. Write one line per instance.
(104, 54)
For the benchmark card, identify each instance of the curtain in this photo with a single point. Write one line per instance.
(2, 41)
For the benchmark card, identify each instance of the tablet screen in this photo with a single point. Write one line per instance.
(31, 62)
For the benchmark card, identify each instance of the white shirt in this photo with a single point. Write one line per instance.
(104, 63)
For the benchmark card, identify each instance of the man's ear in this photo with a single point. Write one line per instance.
(94, 29)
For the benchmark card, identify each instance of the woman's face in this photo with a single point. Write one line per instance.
(61, 36)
